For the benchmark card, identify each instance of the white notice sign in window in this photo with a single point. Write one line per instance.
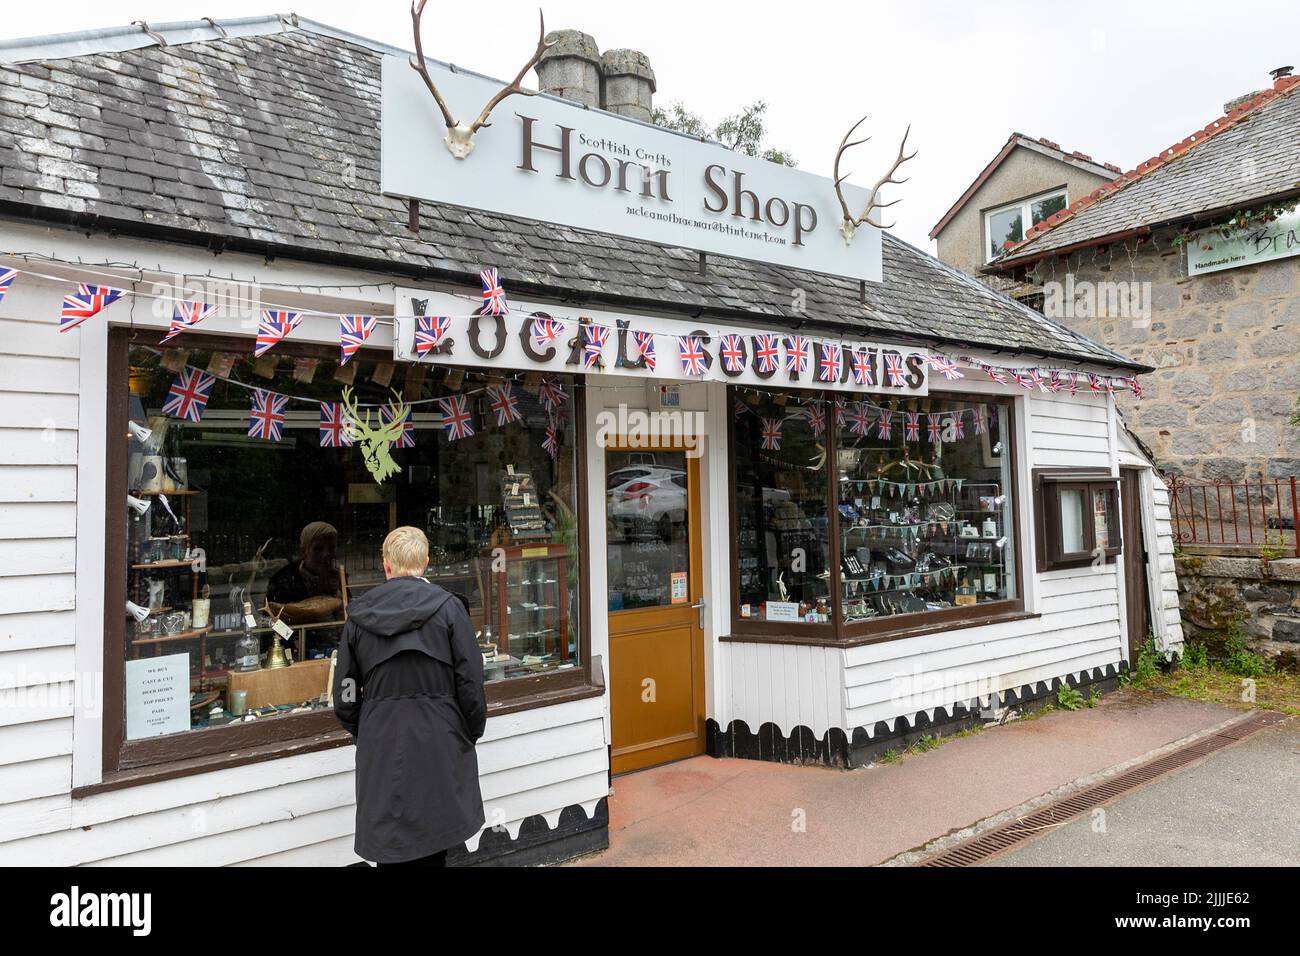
(157, 696)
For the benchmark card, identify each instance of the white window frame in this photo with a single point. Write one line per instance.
(1026, 215)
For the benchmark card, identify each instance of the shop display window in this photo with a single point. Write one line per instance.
(243, 553)
(866, 515)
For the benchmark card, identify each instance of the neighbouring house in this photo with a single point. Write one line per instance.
(1191, 263)
(745, 503)
(1027, 181)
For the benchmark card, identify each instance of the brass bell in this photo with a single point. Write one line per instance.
(275, 657)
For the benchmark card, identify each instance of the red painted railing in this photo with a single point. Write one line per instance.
(1236, 514)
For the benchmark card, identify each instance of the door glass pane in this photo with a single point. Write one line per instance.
(1005, 226)
(646, 511)
(1072, 521)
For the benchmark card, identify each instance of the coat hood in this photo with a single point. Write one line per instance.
(398, 606)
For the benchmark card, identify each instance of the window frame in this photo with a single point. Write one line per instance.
(1025, 207)
(838, 633)
(127, 762)
(1049, 484)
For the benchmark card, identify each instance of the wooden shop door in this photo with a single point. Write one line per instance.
(656, 608)
(1136, 592)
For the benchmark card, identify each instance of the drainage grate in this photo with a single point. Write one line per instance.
(1062, 811)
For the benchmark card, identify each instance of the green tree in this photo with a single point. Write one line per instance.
(742, 132)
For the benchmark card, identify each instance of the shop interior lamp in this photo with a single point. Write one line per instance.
(138, 505)
(139, 432)
(141, 614)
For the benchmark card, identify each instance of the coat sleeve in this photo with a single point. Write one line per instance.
(467, 662)
(347, 682)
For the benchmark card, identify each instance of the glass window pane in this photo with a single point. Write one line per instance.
(781, 509)
(646, 511)
(295, 528)
(1072, 521)
(1005, 226)
(1042, 208)
(925, 508)
(1103, 518)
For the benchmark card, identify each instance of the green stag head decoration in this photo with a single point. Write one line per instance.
(376, 442)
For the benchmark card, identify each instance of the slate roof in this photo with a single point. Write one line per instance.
(1239, 159)
(268, 142)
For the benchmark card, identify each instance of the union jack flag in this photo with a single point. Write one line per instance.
(885, 424)
(862, 371)
(945, 367)
(185, 315)
(913, 432)
(353, 332)
(1110, 385)
(1074, 382)
(935, 428)
(816, 416)
(994, 373)
(456, 418)
(1135, 387)
(552, 395)
(1037, 378)
(739, 409)
(407, 438)
(273, 328)
(1054, 381)
(838, 403)
(1021, 379)
(860, 419)
(645, 344)
(981, 419)
(7, 277)
(958, 421)
(828, 363)
(797, 354)
(189, 394)
(692, 355)
(502, 399)
(494, 297)
(593, 342)
(1094, 382)
(430, 330)
(732, 351)
(85, 302)
(767, 352)
(894, 369)
(551, 440)
(266, 417)
(334, 426)
(546, 331)
(771, 434)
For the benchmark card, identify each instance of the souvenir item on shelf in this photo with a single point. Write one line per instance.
(150, 479)
(940, 511)
(969, 531)
(175, 474)
(965, 595)
(990, 528)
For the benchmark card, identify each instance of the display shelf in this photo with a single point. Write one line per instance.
(181, 636)
(163, 566)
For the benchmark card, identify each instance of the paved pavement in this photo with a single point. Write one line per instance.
(1238, 807)
(709, 812)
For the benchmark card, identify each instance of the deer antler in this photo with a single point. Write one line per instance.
(850, 224)
(460, 138)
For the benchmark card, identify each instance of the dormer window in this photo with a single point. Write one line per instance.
(1007, 223)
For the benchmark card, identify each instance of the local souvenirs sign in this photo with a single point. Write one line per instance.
(547, 159)
(530, 337)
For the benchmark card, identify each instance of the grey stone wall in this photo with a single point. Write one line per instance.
(1264, 596)
(1226, 347)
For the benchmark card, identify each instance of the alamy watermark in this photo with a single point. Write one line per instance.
(626, 427)
(1084, 299)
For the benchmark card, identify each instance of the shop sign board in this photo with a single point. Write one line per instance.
(544, 158)
(506, 342)
(1208, 251)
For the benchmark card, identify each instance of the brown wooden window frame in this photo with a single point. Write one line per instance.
(129, 762)
(837, 633)
(1049, 485)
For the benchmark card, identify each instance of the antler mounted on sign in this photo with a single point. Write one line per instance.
(850, 224)
(460, 138)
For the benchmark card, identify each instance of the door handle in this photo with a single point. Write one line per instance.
(700, 607)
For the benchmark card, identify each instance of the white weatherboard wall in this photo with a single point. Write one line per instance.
(293, 810)
(1078, 628)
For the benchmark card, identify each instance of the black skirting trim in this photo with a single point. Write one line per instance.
(836, 748)
(537, 844)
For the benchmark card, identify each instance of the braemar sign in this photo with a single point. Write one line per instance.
(547, 159)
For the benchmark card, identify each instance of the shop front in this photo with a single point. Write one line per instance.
(686, 515)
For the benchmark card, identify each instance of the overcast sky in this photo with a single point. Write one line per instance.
(1117, 81)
